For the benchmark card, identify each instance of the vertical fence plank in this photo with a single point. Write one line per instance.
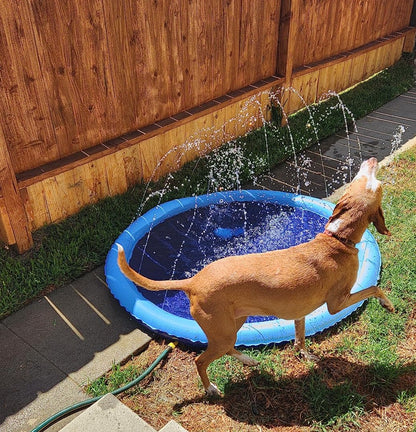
(305, 90)
(36, 205)
(77, 72)
(268, 41)
(24, 110)
(283, 40)
(125, 61)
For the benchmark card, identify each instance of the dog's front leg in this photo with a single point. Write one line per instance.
(300, 345)
(336, 304)
(300, 334)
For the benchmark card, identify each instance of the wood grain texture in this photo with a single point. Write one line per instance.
(328, 27)
(24, 107)
(76, 74)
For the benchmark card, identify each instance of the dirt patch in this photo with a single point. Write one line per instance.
(249, 402)
(257, 401)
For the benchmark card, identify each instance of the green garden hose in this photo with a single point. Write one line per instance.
(84, 404)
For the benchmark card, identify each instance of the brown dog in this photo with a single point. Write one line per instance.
(287, 283)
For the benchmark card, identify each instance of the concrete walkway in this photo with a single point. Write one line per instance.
(52, 347)
(56, 345)
(324, 167)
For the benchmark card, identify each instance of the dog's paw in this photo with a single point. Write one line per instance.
(387, 304)
(212, 390)
(246, 360)
(306, 355)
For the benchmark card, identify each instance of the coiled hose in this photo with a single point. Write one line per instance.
(84, 404)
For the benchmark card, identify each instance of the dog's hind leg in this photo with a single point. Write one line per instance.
(202, 362)
(215, 350)
(221, 340)
(245, 359)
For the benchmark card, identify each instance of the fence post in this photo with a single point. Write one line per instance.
(291, 43)
(13, 201)
(287, 45)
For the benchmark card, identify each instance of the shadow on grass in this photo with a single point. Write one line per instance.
(334, 391)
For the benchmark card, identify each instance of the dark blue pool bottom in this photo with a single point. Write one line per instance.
(183, 244)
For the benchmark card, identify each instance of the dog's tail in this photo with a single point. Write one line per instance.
(145, 282)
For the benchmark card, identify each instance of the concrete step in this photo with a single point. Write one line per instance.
(110, 415)
(172, 426)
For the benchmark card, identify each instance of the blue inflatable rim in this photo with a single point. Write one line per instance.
(251, 334)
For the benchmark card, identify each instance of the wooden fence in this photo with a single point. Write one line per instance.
(95, 93)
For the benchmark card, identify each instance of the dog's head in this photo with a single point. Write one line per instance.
(366, 178)
(360, 205)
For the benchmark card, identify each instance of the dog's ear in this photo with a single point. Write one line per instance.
(380, 223)
(339, 209)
